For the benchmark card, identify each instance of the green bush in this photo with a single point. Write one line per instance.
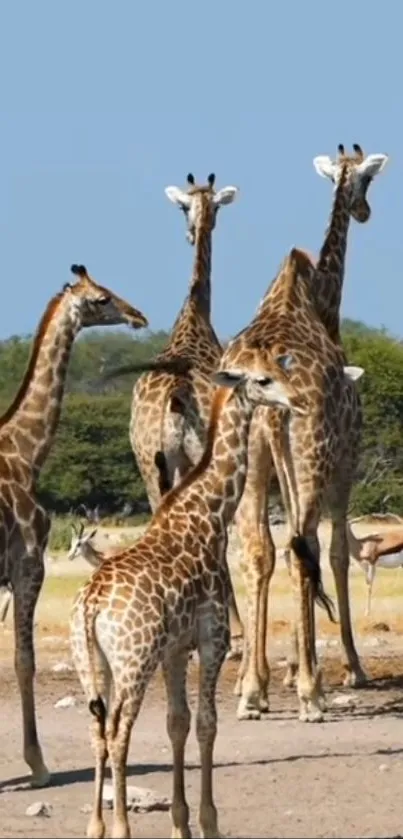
(91, 461)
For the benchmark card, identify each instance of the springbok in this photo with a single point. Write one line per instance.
(376, 551)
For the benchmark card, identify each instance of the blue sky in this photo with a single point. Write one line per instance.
(104, 104)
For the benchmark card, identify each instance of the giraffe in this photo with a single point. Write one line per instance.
(169, 593)
(351, 176)
(27, 430)
(305, 453)
(169, 414)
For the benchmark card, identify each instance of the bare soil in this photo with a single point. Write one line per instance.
(273, 778)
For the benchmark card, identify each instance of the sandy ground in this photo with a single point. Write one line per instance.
(273, 778)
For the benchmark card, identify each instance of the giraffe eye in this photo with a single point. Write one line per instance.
(102, 301)
(264, 380)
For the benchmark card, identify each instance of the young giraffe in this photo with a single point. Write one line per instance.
(170, 413)
(351, 176)
(306, 454)
(169, 593)
(27, 430)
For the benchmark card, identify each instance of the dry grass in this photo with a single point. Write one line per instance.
(64, 579)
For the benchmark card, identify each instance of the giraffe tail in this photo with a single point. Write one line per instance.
(98, 709)
(164, 482)
(311, 564)
(177, 366)
(96, 705)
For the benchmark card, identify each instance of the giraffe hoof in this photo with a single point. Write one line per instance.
(355, 678)
(95, 829)
(40, 779)
(181, 832)
(248, 711)
(322, 703)
(315, 715)
(264, 705)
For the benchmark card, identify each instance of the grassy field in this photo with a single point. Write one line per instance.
(64, 578)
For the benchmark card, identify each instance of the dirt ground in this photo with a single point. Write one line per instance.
(273, 778)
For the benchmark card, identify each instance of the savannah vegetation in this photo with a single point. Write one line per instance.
(92, 465)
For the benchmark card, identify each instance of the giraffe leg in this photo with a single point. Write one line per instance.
(309, 684)
(213, 643)
(178, 725)
(96, 824)
(26, 592)
(5, 605)
(118, 730)
(340, 561)
(257, 565)
(309, 679)
(290, 678)
(237, 630)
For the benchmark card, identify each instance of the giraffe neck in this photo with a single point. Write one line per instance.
(219, 477)
(329, 273)
(31, 421)
(200, 284)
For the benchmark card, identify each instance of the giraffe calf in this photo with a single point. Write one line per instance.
(166, 594)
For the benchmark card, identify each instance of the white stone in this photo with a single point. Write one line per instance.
(344, 700)
(62, 667)
(39, 808)
(384, 767)
(139, 799)
(372, 642)
(66, 702)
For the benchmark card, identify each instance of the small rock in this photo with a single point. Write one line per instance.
(66, 702)
(372, 642)
(288, 812)
(139, 799)
(344, 700)
(39, 808)
(384, 767)
(86, 808)
(381, 627)
(51, 639)
(62, 667)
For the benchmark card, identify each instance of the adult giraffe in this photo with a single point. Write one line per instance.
(329, 466)
(170, 413)
(27, 431)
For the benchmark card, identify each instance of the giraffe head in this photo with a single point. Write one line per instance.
(355, 173)
(98, 306)
(200, 204)
(262, 379)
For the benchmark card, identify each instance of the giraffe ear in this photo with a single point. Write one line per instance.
(178, 196)
(225, 196)
(324, 166)
(353, 373)
(372, 165)
(285, 361)
(227, 378)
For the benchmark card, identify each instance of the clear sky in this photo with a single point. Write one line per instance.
(103, 104)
